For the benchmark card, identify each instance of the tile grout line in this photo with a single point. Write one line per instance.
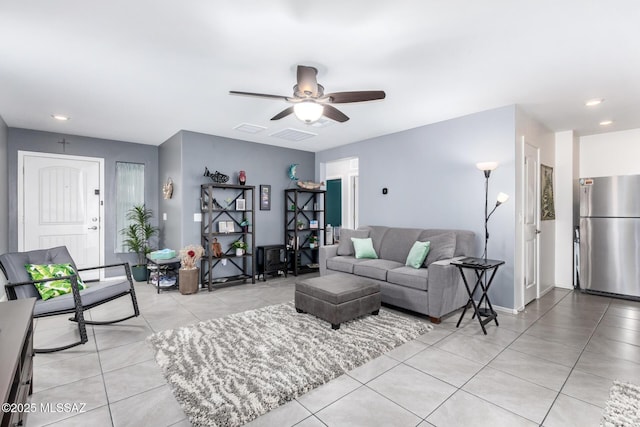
(487, 364)
(576, 363)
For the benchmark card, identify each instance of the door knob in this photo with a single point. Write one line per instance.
(538, 231)
(95, 227)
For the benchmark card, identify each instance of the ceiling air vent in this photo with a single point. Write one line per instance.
(249, 128)
(293, 134)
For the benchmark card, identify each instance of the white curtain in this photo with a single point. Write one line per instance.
(129, 192)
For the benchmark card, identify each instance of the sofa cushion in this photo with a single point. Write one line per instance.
(410, 277)
(343, 263)
(375, 268)
(397, 243)
(417, 254)
(442, 246)
(364, 248)
(345, 247)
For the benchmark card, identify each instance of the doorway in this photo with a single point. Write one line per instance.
(341, 177)
(60, 204)
(531, 222)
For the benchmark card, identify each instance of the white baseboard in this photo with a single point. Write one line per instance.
(503, 309)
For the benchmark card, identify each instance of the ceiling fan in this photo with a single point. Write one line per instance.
(310, 101)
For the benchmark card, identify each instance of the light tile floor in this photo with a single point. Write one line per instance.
(551, 365)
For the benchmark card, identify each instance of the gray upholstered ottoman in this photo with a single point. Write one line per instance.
(337, 298)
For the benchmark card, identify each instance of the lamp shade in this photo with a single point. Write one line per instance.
(487, 166)
(308, 111)
(502, 198)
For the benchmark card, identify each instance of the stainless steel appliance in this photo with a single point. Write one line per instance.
(610, 235)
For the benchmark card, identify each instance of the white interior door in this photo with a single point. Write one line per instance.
(60, 204)
(531, 221)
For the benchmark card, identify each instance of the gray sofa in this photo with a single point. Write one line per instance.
(436, 289)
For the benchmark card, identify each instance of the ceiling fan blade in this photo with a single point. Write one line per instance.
(283, 113)
(334, 114)
(258, 95)
(307, 82)
(356, 96)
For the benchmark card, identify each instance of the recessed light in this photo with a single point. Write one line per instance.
(60, 117)
(606, 122)
(594, 102)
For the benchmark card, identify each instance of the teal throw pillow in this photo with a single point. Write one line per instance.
(417, 254)
(364, 248)
(52, 288)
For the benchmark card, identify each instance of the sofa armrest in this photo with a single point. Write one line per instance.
(446, 288)
(326, 252)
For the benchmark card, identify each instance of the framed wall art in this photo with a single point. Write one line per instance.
(547, 207)
(265, 197)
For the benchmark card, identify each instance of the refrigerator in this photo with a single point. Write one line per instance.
(610, 236)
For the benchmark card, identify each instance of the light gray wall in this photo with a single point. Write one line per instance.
(111, 151)
(170, 166)
(4, 198)
(264, 164)
(433, 182)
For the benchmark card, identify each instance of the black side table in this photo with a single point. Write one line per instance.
(164, 268)
(482, 267)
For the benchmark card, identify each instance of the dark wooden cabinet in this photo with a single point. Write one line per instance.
(16, 358)
(225, 209)
(304, 228)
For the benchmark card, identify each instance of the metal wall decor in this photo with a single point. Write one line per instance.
(547, 207)
(167, 189)
(217, 177)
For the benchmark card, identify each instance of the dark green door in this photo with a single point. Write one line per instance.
(334, 202)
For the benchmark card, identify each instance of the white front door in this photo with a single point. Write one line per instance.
(60, 205)
(531, 228)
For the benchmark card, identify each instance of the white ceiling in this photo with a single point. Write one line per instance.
(142, 70)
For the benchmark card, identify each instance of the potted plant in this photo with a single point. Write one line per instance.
(313, 242)
(240, 247)
(188, 273)
(245, 225)
(137, 236)
(300, 224)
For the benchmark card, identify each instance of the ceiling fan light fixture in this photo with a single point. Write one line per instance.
(308, 111)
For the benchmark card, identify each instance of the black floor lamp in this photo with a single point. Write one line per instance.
(487, 167)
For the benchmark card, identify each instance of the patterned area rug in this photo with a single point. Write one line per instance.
(228, 371)
(623, 406)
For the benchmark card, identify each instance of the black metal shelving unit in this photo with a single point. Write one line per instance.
(218, 203)
(301, 207)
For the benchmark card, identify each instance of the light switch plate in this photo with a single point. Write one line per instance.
(197, 217)
(164, 216)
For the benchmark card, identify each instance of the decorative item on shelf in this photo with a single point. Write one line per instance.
(242, 178)
(313, 224)
(241, 204)
(313, 242)
(137, 236)
(189, 272)
(167, 189)
(217, 177)
(245, 225)
(216, 248)
(310, 185)
(300, 225)
(240, 247)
